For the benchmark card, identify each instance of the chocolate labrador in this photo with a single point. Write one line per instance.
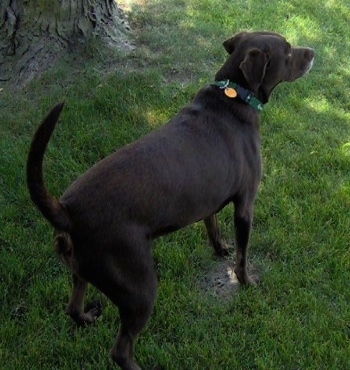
(207, 156)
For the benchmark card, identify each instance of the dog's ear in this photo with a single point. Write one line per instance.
(254, 67)
(230, 44)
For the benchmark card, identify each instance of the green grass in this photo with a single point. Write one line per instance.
(298, 317)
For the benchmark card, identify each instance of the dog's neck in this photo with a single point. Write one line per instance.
(232, 90)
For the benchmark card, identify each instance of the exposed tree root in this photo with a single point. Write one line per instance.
(34, 35)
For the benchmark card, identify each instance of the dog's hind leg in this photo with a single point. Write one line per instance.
(131, 284)
(243, 223)
(213, 231)
(132, 322)
(134, 316)
(75, 308)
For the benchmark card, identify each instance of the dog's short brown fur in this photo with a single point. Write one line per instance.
(207, 156)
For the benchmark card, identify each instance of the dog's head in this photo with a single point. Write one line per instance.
(259, 61)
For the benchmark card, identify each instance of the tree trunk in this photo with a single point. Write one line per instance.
(34, 33)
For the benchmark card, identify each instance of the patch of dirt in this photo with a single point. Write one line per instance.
(221, 280)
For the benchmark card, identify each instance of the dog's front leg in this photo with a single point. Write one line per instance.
(211, 224)
(243, 222)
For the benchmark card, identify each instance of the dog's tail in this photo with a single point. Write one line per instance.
(48, 205)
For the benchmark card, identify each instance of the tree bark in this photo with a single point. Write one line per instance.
(33, 34)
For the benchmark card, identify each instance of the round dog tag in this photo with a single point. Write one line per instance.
(230, 92)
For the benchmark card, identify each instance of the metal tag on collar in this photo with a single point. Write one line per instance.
(230, 92)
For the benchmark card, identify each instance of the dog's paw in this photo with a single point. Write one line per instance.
(252, 280)
(93, 310)
(245, 279)
(223, 251)
(92, 313)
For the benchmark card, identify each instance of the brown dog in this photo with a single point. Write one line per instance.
(204, 158)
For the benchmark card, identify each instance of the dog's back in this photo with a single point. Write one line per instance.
(164, 181)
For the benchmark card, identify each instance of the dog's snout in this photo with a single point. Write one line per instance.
(309, 54)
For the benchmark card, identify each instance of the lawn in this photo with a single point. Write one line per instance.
(298, 317)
